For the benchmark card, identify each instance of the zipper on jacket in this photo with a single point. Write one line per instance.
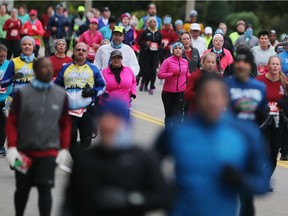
(179, 75)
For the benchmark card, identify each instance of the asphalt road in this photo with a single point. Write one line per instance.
(148, 117)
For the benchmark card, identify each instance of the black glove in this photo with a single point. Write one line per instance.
(133, 96)
(88, 91)
(231, 177)
(18, 76)
(283, 103)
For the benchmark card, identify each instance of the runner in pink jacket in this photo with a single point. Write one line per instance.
(175, 71)
(92, 38)
(120, 80)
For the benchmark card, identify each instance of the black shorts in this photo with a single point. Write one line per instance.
(41, 173)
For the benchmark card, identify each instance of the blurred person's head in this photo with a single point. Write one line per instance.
(60, 46)
(272, 36)
(27, 45)
(208, 62)
(240, 26)
(80, 53)
(113, 124)
(112, 22)
(14, 13)
(177, 49)
(3, 53)
(116, 58)
(274, 66)
(243, 64)
(106, 12)
(152, 23)
(118, 35)
(179, 25)
(104, 42)
(93, 25)
(211, 97)
(50, 10)
(33, 14)
(43, 69)
(3, 9)
(21, 10)
(167, 21)
(81, 11)
(125, 19)
(96, 12)
(263, 37)
(223, 26)
(218, 42)
(59, 9)
(185, 39)
(195, 30)
(193, 16)
(208, 32)
(152, 10)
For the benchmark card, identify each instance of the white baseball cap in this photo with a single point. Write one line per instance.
(208, 30)
(195, 26)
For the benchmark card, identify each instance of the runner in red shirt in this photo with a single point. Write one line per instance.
(60, 58)
(277, 85)
(13, 27)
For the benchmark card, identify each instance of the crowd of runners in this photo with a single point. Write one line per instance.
(224, 96)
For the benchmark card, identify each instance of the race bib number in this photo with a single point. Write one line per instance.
(78, 112)
(274, 109)
(165, 42)
(153, 46)
(14, 33)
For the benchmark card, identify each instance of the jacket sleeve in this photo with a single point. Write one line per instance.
(97, 61)
(60, 77)
(50, 23)
(134, 62)
(9, 75)
(100, 84)
(140, 24)
(163, 72)
(81, 38)
(134, 84)
(142, 40)
(65, 126)
(40, 30)
(189, 92)
(6, 25)
(12, 121)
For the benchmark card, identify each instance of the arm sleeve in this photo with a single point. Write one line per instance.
(65, 126)
(60, 77)
(6, 25)
(134, 85)
(134, 62)
(97, 61)
(12, 121)
(189, 92)
(163, 72)
(9, 75)
(141, 40)
(40, 29)
(81, 38)
(100, 84)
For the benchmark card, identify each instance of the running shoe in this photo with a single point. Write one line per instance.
(3, 151)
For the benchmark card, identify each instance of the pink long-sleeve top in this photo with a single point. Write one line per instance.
(122, 90)
(174, 84)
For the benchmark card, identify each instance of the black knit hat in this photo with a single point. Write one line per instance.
(244, 54)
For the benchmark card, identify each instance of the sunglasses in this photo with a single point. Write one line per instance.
(81, 50)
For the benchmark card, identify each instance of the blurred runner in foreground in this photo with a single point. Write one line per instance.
(37, 128)
(115, 177)
(234, 155)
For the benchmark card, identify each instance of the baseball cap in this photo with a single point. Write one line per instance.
(105, 9)
(81, 8)
(272, 32)
(195, 26)
(241, 22)
(33, 12)
(115, 53)
(119, 29)
(94, 20)
(193, 13)
(208, 30)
